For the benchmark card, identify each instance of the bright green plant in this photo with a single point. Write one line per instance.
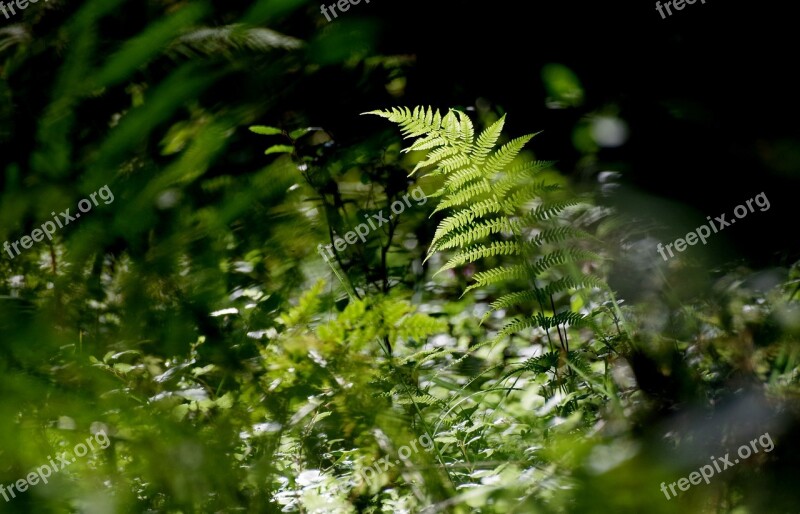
(502, 206)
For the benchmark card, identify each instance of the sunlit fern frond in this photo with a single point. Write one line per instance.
(503, 210)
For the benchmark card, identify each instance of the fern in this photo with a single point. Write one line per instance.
(541, 295)
(542, 321)
(472, 254)
(231, 38)
(501, 209)
(475, 233)
(546, 211)
(500, 274)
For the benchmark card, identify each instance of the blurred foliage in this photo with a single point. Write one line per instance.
(235, 368)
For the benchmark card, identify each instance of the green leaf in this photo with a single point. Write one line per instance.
(122, 367)
(265, 130)
(297, 134)
(205, 369)
(279, 149)
(225, 401)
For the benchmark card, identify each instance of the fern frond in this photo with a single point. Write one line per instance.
(542, 295)
(465, 216)
(549, 210)
(418, 122)
(517, 176)
(435, 156)
(453, 129)
(451, 125)
(420, 399)
(560, 256)
(453, 163)
(225, 39)
(556, 235)
(511, 373)
(541, 321)
(472, 351)
(474, 233)
(527, 194)
(568, 282)
(452, 223)
(467, 129)
(428, 142)
(511, 300)
(421, 356)
(506, 154)
(542, 363)
(524, 170)
(487, 140)
(517, 325)
(541, 265)
(501, 274)
(461, 177)
(464, 195)
(577, 360)
(565, 318)
(474, 253)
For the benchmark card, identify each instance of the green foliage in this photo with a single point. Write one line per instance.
(196, 323)
(498, 210)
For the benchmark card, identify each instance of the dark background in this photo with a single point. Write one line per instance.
(709, 95)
